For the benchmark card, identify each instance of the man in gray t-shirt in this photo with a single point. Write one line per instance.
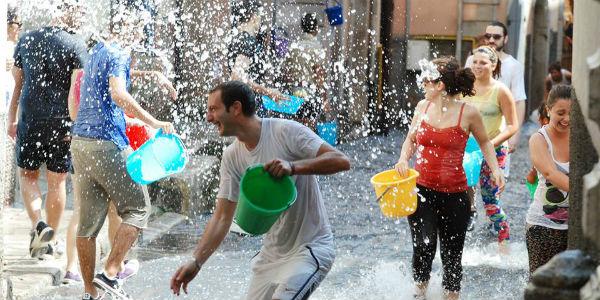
(298, 250)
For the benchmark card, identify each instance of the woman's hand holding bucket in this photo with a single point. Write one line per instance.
(402, 168)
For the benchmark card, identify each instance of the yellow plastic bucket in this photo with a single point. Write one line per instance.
(397, 195)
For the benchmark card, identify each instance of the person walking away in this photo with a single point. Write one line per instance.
(7, 152)
(547, 217)
(297, 252)
(497, 108)
(304, 73)
(438, 134)
(100, 148)
(44, 62)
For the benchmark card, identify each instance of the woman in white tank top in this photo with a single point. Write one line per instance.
(547, 217)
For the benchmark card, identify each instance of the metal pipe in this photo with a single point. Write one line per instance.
(459, 32)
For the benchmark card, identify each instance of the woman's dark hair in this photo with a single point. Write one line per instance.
(243, 10)
(456, 79)
(543, 112)
(12, 14)
(232, 91)
(309, 23)
(560, 91)
(492, 54)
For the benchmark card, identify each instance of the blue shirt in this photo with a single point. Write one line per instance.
(99, 117)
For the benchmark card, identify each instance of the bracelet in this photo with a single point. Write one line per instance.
(293, 168)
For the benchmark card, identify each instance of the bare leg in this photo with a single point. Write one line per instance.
(125, 237)
(32, 197)
(114, 221)
(449, 295)
(421, 289)
(72, 234)
(86, 248)
(56, 198)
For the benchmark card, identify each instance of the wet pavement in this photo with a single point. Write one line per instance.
(373, 253)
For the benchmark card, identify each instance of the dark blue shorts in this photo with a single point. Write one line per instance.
(46, 142)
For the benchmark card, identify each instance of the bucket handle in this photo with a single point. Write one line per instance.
(327, 3)
(384, 192)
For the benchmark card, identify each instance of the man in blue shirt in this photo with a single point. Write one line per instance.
(100, 148)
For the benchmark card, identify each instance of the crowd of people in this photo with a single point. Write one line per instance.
(69, 106)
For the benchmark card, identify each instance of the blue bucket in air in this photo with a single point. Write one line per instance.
(328, 132)
(159, 157)
(290, 106)
(335, 14)
(472, 161)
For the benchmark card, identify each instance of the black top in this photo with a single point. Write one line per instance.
(47, 57)
(247, 45)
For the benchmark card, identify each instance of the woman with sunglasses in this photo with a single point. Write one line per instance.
(498, 110)
(438, 134)
(547, 217)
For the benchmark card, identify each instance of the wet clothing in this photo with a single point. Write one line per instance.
(101, 177)
(488, 105)
(543, 243)
(99, 117)
(443, 215)
(46, 141)
(490, 197)
(304, 224)
(440, 156)
(296, 277)
(47, 57)
(550, 206)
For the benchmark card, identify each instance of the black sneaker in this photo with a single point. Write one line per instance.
(40, 237)
(112, 287)
(472, 220)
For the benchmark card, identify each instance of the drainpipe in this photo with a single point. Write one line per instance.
(459, 32)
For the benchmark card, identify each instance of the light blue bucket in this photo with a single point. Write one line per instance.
(290, 106)
(159, 157)
(472, 161)
(328, 132)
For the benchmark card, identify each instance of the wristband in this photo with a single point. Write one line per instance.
(293, 168)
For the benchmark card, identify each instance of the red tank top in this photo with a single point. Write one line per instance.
(440, 156)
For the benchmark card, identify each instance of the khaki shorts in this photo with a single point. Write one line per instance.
(101, 176)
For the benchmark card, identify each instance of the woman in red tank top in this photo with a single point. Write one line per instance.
(438, 134)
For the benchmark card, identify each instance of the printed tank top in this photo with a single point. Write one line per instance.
(440, 154)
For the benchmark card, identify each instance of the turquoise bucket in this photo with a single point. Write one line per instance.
(159, 157)
(472, 161)
(290, 106)
(328, 132)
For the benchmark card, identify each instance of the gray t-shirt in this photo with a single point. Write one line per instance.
(306, 222)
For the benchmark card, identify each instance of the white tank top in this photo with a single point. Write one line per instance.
(557, 217)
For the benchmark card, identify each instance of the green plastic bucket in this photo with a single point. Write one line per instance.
(262, 199)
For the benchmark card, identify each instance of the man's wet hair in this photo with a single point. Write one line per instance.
(243, 10)
(232, 91)
(555, 66)
(309, 23)
(500, 24)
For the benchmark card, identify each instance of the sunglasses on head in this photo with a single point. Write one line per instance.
(495, 36)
